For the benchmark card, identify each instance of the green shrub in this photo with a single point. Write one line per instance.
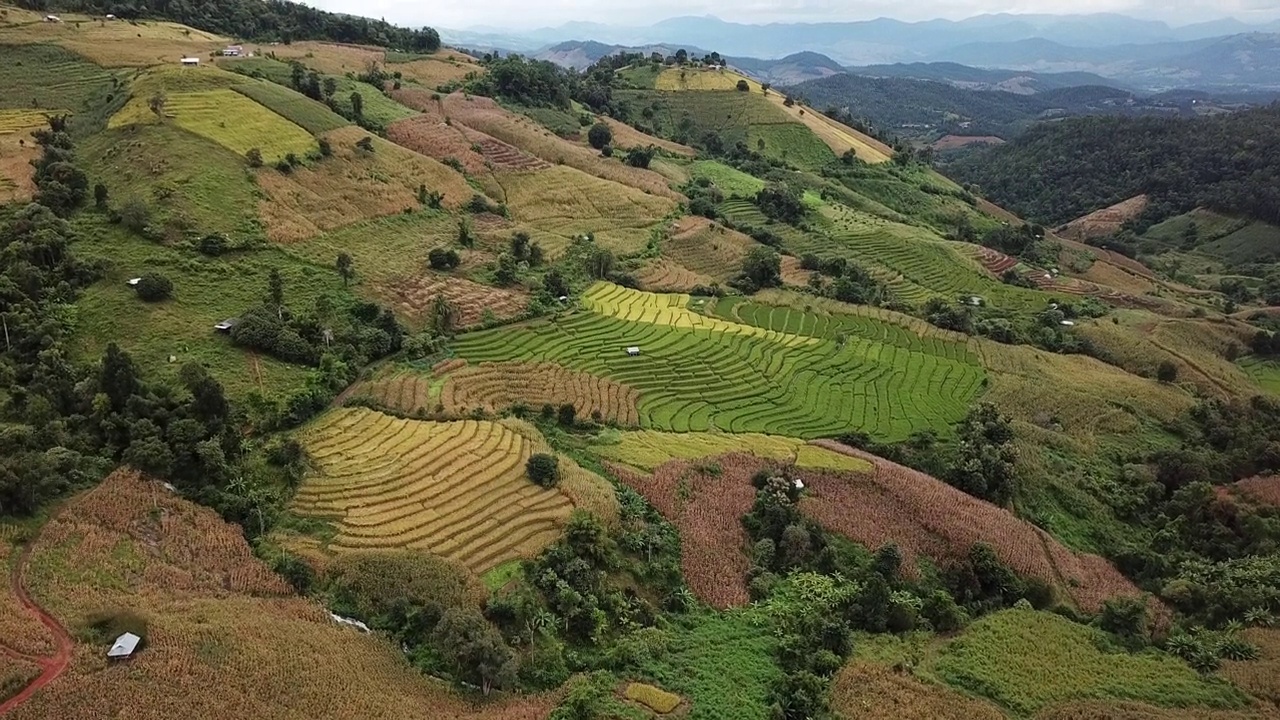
(154, 287)
(543, 469)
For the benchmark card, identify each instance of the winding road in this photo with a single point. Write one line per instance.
(50, 666)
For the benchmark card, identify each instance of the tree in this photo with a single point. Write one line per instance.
(543, 469)
(100, 195)
(1167, 372)
(346, 267)
(118, 378)
(781, 202)
(507, 272)
(153, 287)
(443, 259)
(762, 268)
(554, 283)
(743, 86)
(326, 147)
(640, 157)
(254, 157)
(357, 105)
(599, 135)
(213, 244)
(330, 86)
(520, 245)
(157, 103)
(365, 143)
(475, 649)
(135, 215)
(984, 467)
(566, 414)
(275, 289)
(600, 263)
(443, 315)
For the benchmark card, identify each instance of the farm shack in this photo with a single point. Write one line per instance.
(233, 51)
(633, 351)
(226, 325)
(133, 282)
(190, 62)
(124, 646)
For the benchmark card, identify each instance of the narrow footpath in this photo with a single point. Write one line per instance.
(51, 667)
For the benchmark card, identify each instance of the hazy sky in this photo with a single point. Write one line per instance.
(462, 14)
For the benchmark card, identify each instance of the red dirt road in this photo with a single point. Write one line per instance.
(50, 667)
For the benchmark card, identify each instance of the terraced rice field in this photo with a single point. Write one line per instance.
(405, 391)
(708, 248)
(312, 116)
(697, 372)
(663, 275)
(648, 449)
(48, 78)
(497, 386)
(16, 121)
(430, 136)
(456, 489)
(229, 119)
(472, 302)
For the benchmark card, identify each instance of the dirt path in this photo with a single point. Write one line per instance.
(50, 667)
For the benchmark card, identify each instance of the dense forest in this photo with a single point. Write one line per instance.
(258, 19)
(1057, 172)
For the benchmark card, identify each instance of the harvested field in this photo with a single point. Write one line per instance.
(664, 275)
(625, 136)
(650, 449)
(866, 691)
(430, 136)
(698, 79)
(404, 391)
(507, 157)
(994, 261)
(472, 301)
(707, 247)
(793, 274)
(568, 202)
(926, 517)
(955, 142)
(488, 117)
(226, 637)
(17, 151)
(706, 509)
(1263, 489)
(330, 58)
(118, 44)
(350, 186)
(1106, 221)
(1102, 710)
(497, 386)
(456, 489)
(436, 70)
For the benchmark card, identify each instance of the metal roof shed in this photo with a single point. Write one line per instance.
(124, 646)
(633, 351)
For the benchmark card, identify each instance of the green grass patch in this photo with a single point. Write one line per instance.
(723, 663)
(792, 142)
(205, 291)
(259, 67)
(1264, 372)
(185, 179)
(731, 181)
(1255, 242)
(497, 578)
(377, 107)
(561, 122)
(642, 77)
(312, 116)
(384, 249)
(46, 77)
(1026, 660)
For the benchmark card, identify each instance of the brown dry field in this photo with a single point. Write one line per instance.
(227, 638)
(793, 274)
(866, 691)
(1261, 677)
(1104, 710)
(20, 630)
(665, 275)
(486, 116)
(412, 298)
(1263, 489)
(625, 136)
(1126, 281)
(327, 57)
(16, 171)
(351, 186)
(926, 517)
(445, 67)
(706, 509)
(118, 43)
(707, 247)
(428, 134)
(496, 386)
(952, 142)
(1106, 221)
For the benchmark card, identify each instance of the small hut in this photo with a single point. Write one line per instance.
(124, 646)
(633, 351)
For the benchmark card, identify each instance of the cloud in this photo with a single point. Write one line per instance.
(525, 14)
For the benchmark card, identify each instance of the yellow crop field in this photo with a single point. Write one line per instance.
(330, 58)
(671, 309)
(16, 153)
(227, 118)
(707, 247)
(456, 489)
(16, 121)
(702, 79)
(587, 490)
(352, 185)
(117, 43)
(497, 386)
(648, 449)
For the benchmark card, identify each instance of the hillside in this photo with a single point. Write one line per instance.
(976, 78)
(357, 377)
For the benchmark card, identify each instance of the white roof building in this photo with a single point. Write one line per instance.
(124, 646)
(633, 351)
(133, 282)
(190, 62)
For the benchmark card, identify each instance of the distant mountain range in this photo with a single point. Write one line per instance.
(868, 42)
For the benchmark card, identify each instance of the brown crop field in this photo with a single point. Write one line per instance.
(456, 489)
(926, 517)
(496, 386)
(17, 150)
(866, 691)
(443, 67)
(404, 391)
(120, 43)
(20, 630)
(350, 186)
(488, 117)
(430, 136)
(625, 136)
(329, 58)
(706, 505)
(954, 142)
(1106, 221)
(707, 247)
(664, 275)
(226, 637)
(1103, 710)
(1261, 677)
(412, 297)
(1263, 489)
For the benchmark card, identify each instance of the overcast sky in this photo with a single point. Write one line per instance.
(528, 14)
